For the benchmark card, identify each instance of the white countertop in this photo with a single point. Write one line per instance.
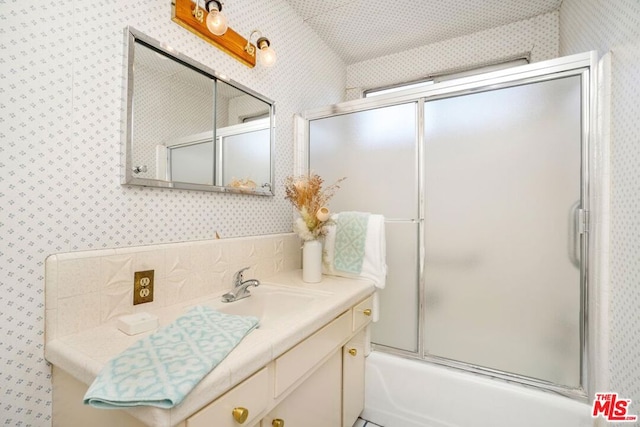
(83, 355)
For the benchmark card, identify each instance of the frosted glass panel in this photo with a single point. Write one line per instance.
(399, 300)
(247, 156)
(502, 173)
(192, 163)
(376, 151)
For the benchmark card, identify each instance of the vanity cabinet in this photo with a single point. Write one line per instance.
(304, 357)
(317, 402)
(318, 382)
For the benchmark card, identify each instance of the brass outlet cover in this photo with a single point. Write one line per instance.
(142, 287)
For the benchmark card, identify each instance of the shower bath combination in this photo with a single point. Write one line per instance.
(484, 184)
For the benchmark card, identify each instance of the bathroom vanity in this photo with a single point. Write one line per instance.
(319, 382)
(304, 365)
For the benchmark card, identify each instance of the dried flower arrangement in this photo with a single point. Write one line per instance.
(306, 194)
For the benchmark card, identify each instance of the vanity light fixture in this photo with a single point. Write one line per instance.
(208, 23)
(267, 54)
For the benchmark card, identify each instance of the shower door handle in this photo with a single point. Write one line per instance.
(577, 227)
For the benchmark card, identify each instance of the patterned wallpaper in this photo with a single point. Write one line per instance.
(538, 35)
(615, 26)
(60, 97)
(61, 77)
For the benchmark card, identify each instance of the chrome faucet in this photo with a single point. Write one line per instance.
(240, 287)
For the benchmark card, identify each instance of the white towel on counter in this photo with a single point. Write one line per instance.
(162, 368)
(374, 264)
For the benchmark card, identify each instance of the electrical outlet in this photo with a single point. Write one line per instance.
(142, 287)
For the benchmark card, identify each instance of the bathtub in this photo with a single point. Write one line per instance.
(410, 393)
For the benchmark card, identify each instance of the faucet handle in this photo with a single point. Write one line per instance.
(237, 279)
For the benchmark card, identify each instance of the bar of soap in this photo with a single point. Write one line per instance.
(138, 323)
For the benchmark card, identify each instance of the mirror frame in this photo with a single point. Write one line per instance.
(133, 36)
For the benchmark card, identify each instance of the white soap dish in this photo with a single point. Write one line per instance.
(138, 323)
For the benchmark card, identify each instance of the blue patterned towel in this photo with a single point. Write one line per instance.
(162, 368)
(351, 235)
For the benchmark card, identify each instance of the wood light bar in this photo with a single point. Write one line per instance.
(230, 42)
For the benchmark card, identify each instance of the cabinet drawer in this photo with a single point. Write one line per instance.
(362, 313)
(252, 394)
(295, 363)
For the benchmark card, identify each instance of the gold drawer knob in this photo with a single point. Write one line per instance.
(240, 414)
(353, 351)
(367, 312)
(278, 423)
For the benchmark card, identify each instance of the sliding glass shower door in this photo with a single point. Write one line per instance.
(502, 177)
(377, 151)
(483, 182)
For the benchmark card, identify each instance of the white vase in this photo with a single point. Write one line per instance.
(312, 261)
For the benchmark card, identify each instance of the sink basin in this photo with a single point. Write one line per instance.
(270, 303)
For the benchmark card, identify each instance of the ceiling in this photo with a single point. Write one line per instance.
(358, 30)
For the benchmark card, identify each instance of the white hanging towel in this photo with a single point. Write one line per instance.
(355, 247)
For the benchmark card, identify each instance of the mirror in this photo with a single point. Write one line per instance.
(188, 127)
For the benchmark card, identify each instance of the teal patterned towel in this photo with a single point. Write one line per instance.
(162, 368)
(351, 235)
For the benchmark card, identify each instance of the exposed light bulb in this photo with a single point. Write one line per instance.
(216, 20)
(267, 54)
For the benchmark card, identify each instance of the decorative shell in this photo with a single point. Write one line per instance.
(243, 184)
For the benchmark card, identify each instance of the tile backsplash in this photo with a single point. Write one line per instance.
(86, 289)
